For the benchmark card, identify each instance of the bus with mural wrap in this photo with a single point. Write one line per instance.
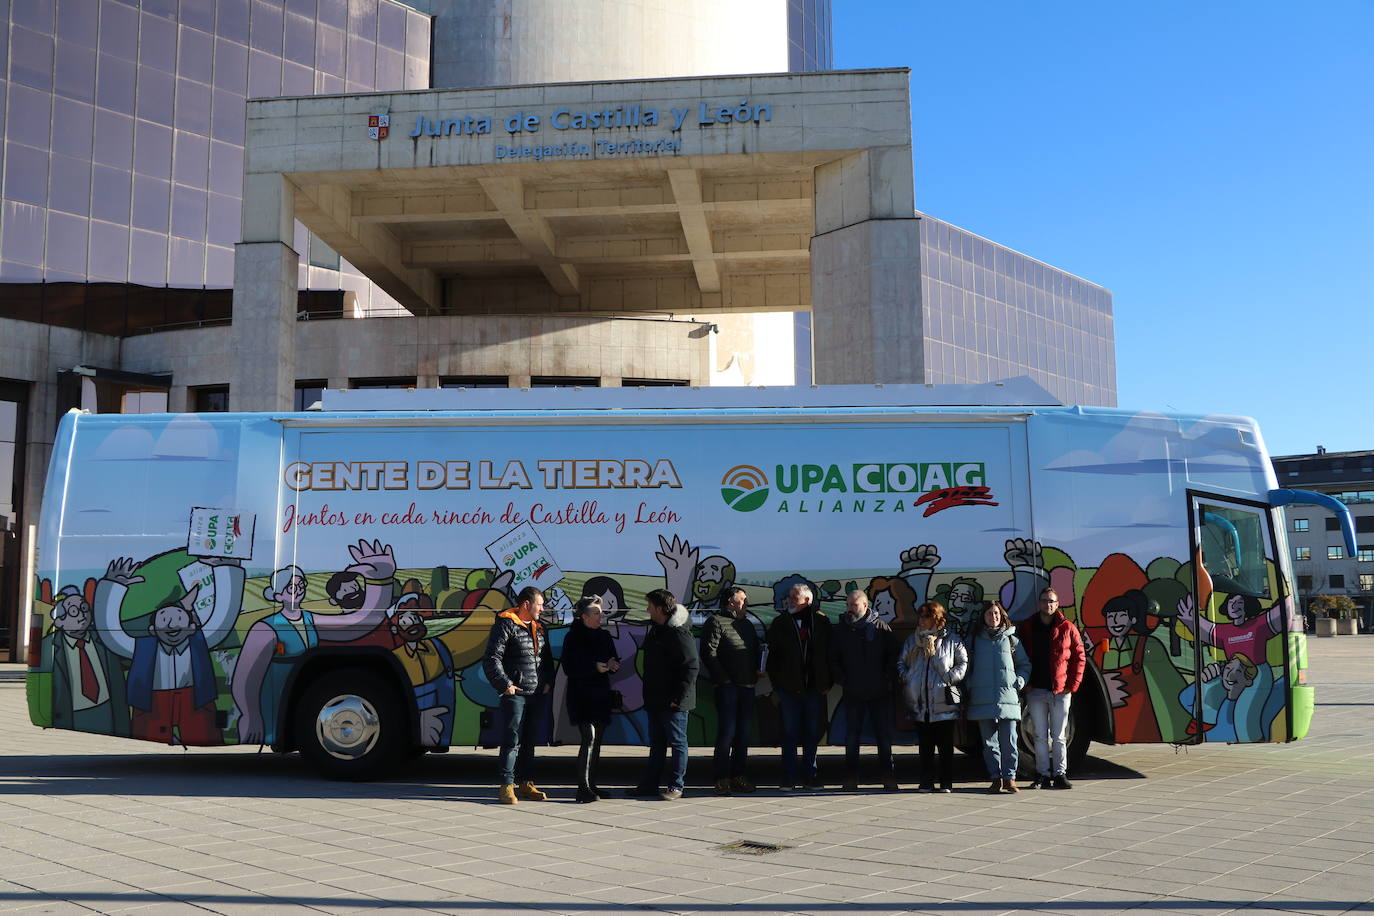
(324, 582)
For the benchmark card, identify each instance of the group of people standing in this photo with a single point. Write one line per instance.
(929, 682)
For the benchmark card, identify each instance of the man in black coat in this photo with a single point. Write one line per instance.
(519, 664)
(670, 692)
(863, 661)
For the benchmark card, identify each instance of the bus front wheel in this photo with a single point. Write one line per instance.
(350, 724)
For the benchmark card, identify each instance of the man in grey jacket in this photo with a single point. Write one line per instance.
(863, 661)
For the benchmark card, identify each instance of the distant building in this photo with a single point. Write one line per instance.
(1320, 563)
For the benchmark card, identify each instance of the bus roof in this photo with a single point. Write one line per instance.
(1014, 392)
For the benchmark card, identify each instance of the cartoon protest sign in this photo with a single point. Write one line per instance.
(521, 551)
(225, 533)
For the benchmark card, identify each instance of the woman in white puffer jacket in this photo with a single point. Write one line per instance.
(931, 666)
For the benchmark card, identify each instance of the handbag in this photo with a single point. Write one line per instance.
(953, 697)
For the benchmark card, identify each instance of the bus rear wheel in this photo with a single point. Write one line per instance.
(350, 724)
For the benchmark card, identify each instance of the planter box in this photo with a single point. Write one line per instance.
(1326, 626)
(1347, 627)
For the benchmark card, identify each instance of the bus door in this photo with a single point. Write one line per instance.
(1240, 603)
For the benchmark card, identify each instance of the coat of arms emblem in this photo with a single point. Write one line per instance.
(378, 126)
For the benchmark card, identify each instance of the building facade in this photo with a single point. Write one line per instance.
(1321, 564)
(121, 189)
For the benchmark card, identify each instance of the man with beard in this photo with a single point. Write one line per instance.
(428, 663)
(171, 684)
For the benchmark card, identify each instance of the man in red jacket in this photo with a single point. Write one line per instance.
(1057, 660)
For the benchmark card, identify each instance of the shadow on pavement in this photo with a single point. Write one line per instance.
(456, 775)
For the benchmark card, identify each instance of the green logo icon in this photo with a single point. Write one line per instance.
(744, 488)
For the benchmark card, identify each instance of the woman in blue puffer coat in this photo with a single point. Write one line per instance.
(998, 669)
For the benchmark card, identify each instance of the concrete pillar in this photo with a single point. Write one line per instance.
(866, 272)
(265, 298)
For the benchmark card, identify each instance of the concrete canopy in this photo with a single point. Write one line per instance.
(656, 196)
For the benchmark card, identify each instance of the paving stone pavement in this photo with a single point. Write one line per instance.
(91, 824)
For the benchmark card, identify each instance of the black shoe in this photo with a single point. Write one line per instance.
(927, 787)
(815, 783)
(643, 792)
(946, 788)
(601, 793)
(1039, 782)
(1061, 782)
(584, 795)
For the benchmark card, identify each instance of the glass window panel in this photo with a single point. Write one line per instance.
(301, 8)
(362, 18)
(109, 259)
(115, 88)
(300, 40)
(210, 398)
(196, 55)
(391, 26)
(188, 212)
(143, 402)
(26, 177)
(417, 35)
(226, 168)
(391, 69)
(267, 27)
(231, 66)
(71, 128)
(362, 60)
(232, 21)
(110, 194)
(69, 185)
(224, 214)
(74, 74)
(264, 75)
(334, 13)
(193, 106)
(76, 22)
(148, 258)
(228, 117)
(191, 159)
(118, 29)
(296, 79)
(187, 263)
(66, 248)
(152, 149)
(158, 45)
(167, 9)
(219, 266)
(152, 199)
(29, 116)
(22, 239)
(156, 96)
(329, 50)
(326, 84)
(199, 14)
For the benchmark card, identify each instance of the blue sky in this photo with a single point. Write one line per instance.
(1211, 164)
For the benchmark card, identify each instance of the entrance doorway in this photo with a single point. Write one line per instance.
(14, 410)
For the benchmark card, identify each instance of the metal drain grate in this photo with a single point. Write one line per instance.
(752, 848)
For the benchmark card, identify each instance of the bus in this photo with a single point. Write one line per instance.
(324, 582)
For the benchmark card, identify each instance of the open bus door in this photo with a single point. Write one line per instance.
(1243, 607)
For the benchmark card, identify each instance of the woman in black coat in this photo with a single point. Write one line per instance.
(589, 659)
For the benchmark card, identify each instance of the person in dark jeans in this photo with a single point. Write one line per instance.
(589, 660)
(799, 667)
(670, 691)
(863, 661)
(519, 665)
(730, 652)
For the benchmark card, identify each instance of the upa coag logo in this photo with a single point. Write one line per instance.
(744, 488)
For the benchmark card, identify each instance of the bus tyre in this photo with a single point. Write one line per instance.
(351, 724)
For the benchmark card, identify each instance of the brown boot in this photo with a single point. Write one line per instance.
(722, 787)
(506, 795)
(740, 784)
(530, 792)
(1009, 786)
(996, 787)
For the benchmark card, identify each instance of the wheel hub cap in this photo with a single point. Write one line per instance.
(347, 727)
